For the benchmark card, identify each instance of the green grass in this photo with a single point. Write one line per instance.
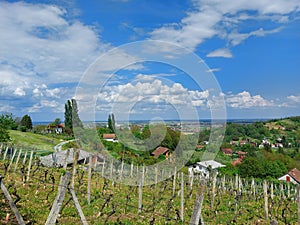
(34, 141)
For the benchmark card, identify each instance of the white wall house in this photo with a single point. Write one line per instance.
(204, 167)
(292, 176)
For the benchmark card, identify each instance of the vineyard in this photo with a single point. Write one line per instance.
(80, 194)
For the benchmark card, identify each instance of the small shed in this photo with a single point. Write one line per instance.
(110, 137)
(58, 159)
(160, 151)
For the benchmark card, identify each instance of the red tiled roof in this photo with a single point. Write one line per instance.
(109, 136)
(54, 126)
(238, 161)
(295, 173)
(159, 150)
(227, 151)
(241, 153)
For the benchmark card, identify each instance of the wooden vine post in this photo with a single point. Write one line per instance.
(11, 203)
(29, 166)
(17, 161)
(76, 156)
(12, 159)
(197, 215)
(64, 181)
(266, 200)
(298, 198)
(182, 198)
(89, 180)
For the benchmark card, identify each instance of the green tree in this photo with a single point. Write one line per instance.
(26, 122)
(8, 122)
(111, 123)
(72, 119)
(57, 121)
(68, 117)
(4, 135)
(261, 168)
(75, 117)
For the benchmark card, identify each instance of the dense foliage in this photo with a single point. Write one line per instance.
(7, 121)
(26, 122)
(71, 116)
(4, 135)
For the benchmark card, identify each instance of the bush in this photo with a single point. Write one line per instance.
(22, 128)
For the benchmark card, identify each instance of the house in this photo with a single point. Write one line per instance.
(110, 137)
(58, 129)
(161, 151)
(58, 159)
(292, 176)
(243, 142)
(238, 161)
(227, 151)
(241, 154)
(205, 167)
(199, 147)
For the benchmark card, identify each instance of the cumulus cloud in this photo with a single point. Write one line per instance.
(224, 19)
(19, 92)
(246, 100)
(44, 53)
(294, 98)
(151, 95)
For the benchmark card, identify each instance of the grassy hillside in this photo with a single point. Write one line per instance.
(31, 140)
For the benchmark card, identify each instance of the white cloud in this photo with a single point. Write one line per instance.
(218, 18)
(213, 70)
(235, 38)
(222, 52)
(53, 105)
(12, 84)
(245, 100)
(42, 47)
(294, 98)
(19, 92)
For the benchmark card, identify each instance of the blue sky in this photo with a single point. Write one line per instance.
(252, 48)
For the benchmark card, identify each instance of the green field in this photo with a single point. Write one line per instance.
(34, 141)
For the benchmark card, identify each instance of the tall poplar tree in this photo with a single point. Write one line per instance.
(111, 123)
(72, 119)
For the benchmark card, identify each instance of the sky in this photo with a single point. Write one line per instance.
(131, 57)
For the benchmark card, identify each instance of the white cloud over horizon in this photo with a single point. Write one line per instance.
(224, 19)
(45, 52)
(42, 47)
(153, 95)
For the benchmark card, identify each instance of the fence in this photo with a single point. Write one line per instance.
(81, 195)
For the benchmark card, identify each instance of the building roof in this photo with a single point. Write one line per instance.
(200, 146)
(109, 136)
(55, 126)
(227, 151)
(238, 161)
(159, 150)
(60, 158)
(212, 163)
(241, 153)
(295, 173)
